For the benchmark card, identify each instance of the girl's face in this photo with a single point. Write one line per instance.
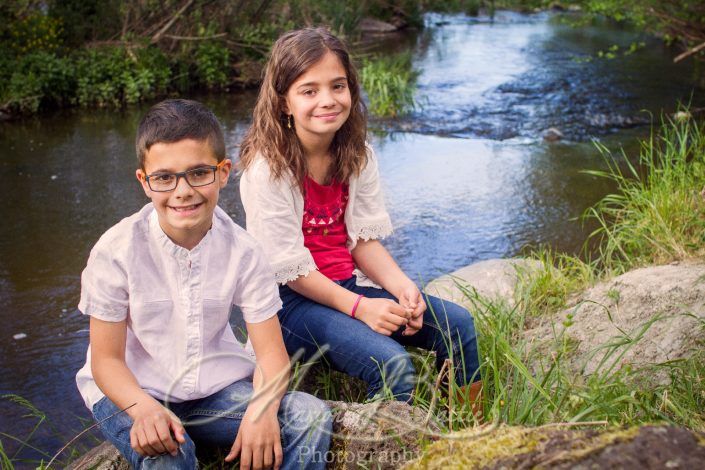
(319, 100)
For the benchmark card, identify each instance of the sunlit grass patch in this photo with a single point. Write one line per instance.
(657, 214)
(390, 84)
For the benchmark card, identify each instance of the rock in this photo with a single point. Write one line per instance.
(671, 296)
(382, 435)
(560, 447)
(552, 135)
(371, 25)
(103, 457)
(494, 279)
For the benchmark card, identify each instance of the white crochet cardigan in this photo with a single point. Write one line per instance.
(274, 211)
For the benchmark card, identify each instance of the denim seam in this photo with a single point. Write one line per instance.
(218, 413)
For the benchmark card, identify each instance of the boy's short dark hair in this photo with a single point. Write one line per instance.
(177, 119)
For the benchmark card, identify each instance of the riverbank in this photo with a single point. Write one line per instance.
(468, 177)
(114, 54)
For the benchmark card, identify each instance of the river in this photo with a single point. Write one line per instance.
(467, 177)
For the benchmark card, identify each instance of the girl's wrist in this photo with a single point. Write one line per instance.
(356, 306)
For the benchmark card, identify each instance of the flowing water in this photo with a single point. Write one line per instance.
(467, 177)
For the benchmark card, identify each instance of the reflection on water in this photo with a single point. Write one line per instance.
(467, 177)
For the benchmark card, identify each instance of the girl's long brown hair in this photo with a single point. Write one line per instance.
(292, 54)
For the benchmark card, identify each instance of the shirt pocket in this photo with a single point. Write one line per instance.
(154, 324)
(216, 313)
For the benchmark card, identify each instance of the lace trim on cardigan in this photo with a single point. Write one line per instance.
(374, 231)
(292, 271)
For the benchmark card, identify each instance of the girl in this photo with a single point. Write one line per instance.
(312, 198)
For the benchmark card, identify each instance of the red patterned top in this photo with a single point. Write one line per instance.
(323, 225)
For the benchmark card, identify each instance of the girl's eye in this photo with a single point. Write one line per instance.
(309, 92)
(339, 86)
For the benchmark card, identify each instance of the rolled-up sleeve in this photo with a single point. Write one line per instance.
(104, 293)
(257, 294)
(369, 216)
(271, 218)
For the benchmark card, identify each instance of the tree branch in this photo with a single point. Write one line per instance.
(171, 22)
(194, 38)
(692, 51)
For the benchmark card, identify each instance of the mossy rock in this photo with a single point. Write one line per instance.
(381, 435)
(560, 447)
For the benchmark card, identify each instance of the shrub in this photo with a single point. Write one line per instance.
(115, 75)
(38, 79)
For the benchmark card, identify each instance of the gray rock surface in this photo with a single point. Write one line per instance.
(494, 279)
(670, 297)
(371, 25)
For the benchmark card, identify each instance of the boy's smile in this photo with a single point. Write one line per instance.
(186, 212)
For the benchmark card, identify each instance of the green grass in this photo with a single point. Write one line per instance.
(390, 84)
(658, 213)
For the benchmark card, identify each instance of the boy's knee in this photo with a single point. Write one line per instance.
(185, 459)
(301, 412)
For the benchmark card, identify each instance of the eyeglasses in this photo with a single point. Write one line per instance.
(201, 176)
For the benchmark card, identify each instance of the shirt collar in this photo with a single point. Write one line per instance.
(172, 248)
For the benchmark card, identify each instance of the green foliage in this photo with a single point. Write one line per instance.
(390, 84)
(212, 64)
(681, 21)
(658, 214)
(471, 7)
(115, 75)
(340, 15)
(33, 33)
(37, 79)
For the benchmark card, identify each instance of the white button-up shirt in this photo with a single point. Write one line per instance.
(177, 303)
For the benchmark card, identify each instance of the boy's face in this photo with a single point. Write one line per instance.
(186, 212)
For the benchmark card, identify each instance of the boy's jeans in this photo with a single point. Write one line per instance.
(351, 346)
(305, 423)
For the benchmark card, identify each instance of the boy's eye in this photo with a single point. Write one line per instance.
(199, 172)
(162, 178)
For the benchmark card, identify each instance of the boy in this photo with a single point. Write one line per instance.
(158, 288)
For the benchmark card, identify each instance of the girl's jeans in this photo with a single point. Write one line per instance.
(305, 423)
(312, 330)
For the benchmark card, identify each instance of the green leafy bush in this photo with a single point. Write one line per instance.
(212, 64)
(115, 75)
(37, 79)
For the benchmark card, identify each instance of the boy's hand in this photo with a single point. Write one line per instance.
(384, 316)
(152, 430)
(258, 441)
(411, 299)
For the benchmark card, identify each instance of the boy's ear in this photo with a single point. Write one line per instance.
(224, 173)
(141, 177)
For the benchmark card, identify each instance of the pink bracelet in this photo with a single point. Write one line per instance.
(357, 302)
